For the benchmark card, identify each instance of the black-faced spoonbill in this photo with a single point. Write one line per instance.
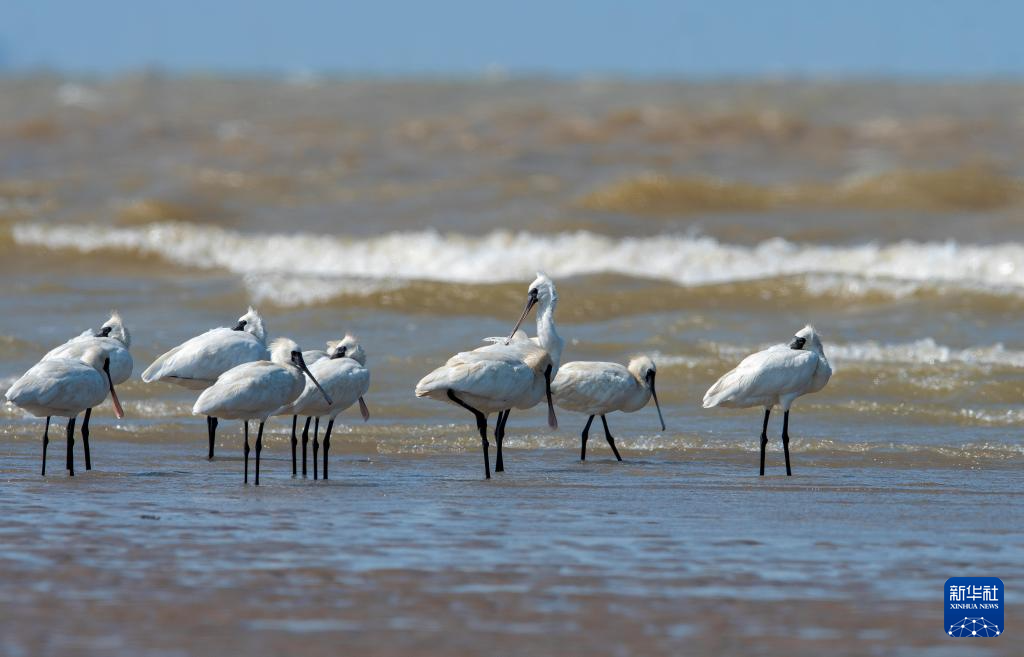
(343, 374)
(196, 363)
(113, 338)
(65, 387)
(309, 356)
(595, 388)
(256, 391)
(775, 376)
(499, 377)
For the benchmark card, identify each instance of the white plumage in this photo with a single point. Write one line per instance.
(309, 356)
(515, 373)
(112, 338)
(343, 374)
(776, 376)
(197, 362)
(65, 386)
(489, 379)
(598, 388)
(257, 390)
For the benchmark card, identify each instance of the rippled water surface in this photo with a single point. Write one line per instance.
(692, 222)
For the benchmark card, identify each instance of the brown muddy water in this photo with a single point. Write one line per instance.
(692, 222)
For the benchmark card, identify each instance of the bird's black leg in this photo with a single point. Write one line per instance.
(586, 435)
(611, 440)
(85, 438)
(764, 437)
(785, 441)
(211, 429)
(295, 442)
(499, 435)
(259, 448)
(245, 451)
(46, 442)
(327, 444)
(71, 445)
(481, 425)
(305, 441)
(316, 445)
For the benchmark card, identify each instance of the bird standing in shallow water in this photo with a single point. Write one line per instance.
(65, 386)
(310, 357)
(197, 362)
(774, 377)
(343, 374)
(114, 340)
(256, 391)
(515, 373)
(596, 388)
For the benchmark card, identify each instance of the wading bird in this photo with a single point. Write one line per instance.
(595, 388)
(775, 376)
(344, 376)
(114, 340)
(309, 357)
(256, 391)
(65, 386)
(196, 363)
(515, 373)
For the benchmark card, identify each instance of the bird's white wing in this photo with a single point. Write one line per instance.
(345, 381)
(769, 374)
(498, 376)
(255, 386)
(58, 383)
(313, 355)
(207, 356)
(518, 336)
(121, 362)
(585, 386)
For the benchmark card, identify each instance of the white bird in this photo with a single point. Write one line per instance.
(65, 386)
(596, 388)
(115, 341)
(346, 379)
(774, 377)
(309, 357)
(196, 363)
(255, 391)
(500, 377)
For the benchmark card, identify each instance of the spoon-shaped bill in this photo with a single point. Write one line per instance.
(118, 411)
(531, 301)
(654, 393)
(362, 409)
(312, 378)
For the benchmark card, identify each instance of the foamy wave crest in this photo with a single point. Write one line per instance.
(307, 268)
(925, 352)
(918, 352)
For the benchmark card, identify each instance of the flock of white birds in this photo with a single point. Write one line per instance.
(242, 377)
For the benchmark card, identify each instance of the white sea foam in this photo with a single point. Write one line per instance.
(917, 352)
(274, 262)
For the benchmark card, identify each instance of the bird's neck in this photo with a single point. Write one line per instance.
(548, 336)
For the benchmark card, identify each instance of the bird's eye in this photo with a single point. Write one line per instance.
(533, 292)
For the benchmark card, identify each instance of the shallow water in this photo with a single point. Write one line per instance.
(692, 222)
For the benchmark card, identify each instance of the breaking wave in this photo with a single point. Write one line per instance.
(303, 268)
